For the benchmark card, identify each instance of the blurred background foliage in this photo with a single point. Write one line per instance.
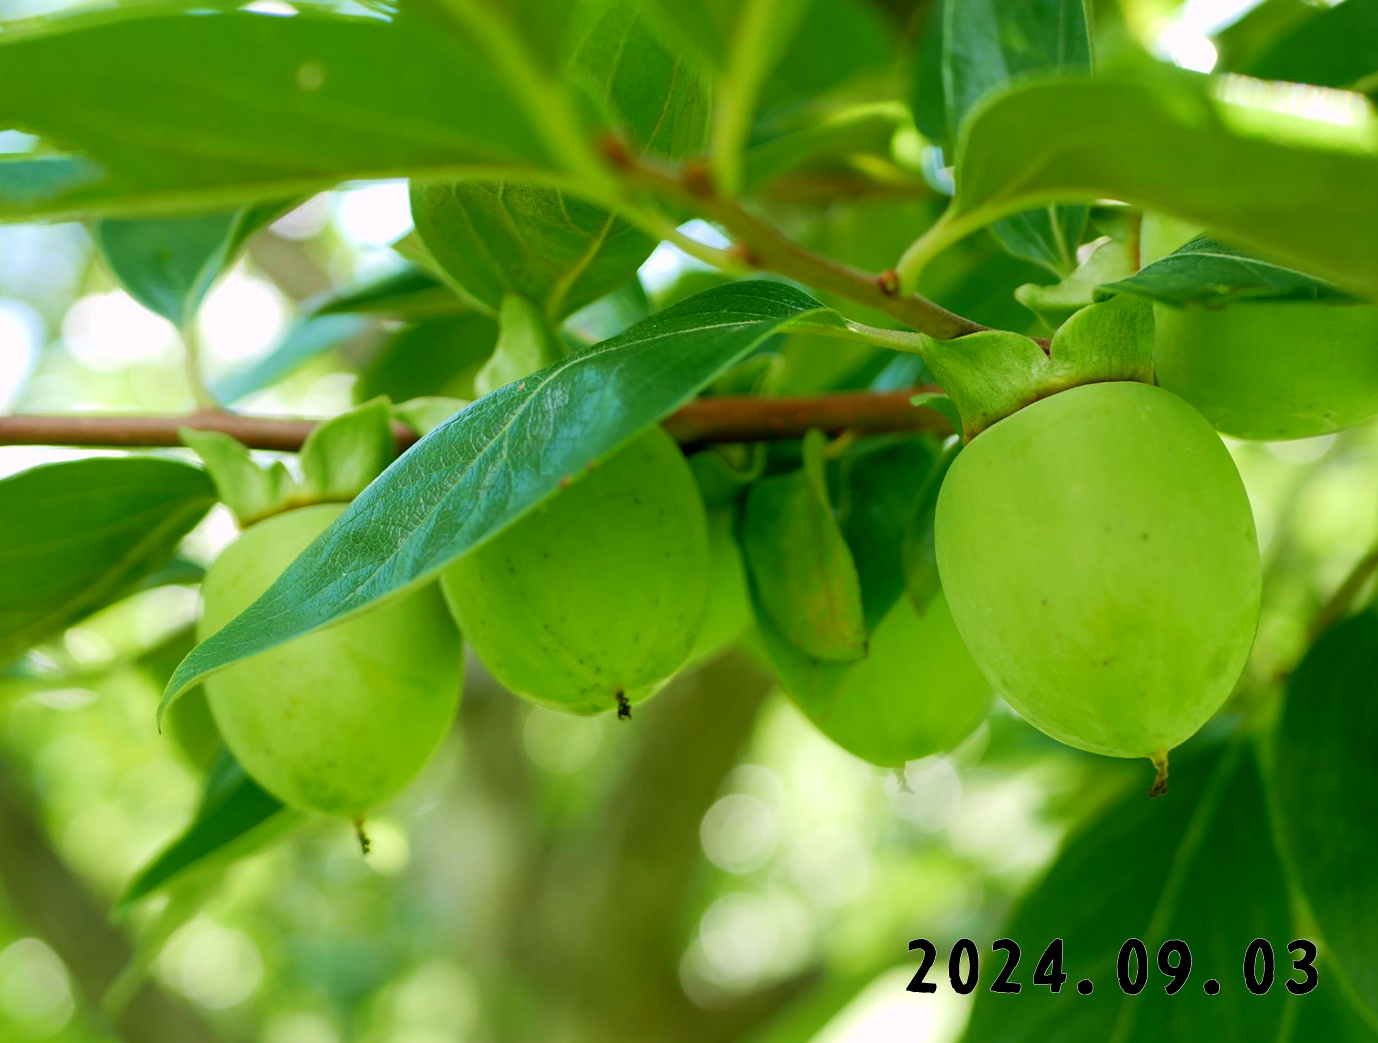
(719, 864)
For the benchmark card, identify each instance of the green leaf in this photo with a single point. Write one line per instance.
(306, 338)
(410, 292)
(475, 475)
(1055, 304)
(655, 97)
(76, 536)
(251, 490)
(988, 44)
(800, 564)
(1165, 142)
(235, 818)
(1198, 864)
(169, 264)
(1335, 47)
(436, 356)
(1325, 777)
(494, 237)
(876, 488)
(240, 106)
(343, 454)
(919, 555)
(525, 344)
(1208, 272)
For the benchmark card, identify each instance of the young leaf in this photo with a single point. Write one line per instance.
(241, 106)
(169, 264)
(475, 475)
(800, 565)
(1174, 867)
(1165, 142)
(252, 491)
(493, 238)
(343, 454)
(525, 344)
(987, 44)
(236, 818)
(75, 536)
(1325, 775)
(1208, 272)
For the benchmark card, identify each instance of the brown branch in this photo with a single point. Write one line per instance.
(765, 246)
(731, 418)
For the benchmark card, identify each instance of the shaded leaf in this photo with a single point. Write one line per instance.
(75, 536)
(410, 292)
(1335, 47)
(235, 818)
(1326, 775)
(919, 555)
(1198, 864)
(475, 475)
(305, 339)
(1208, 272)
(987, 44)
(436, 356)
(800, 564)
(169, 264)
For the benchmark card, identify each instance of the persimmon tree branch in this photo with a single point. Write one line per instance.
(759, 244)
(730, 418)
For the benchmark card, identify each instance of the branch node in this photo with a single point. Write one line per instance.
(614, 151)
(888, 282)
(743, 253)
(698, 180)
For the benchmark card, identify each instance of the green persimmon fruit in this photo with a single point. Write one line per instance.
(917, 692)
(728, 608)
(1098, 553)
(339, 720)
(1272, 369)
(596, 595)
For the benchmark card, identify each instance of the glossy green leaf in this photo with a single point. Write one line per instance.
(1165, 142)
(988, 44)
(305, 339)
(493, 238)
(1208, 272)
(475, 475)
(800, 565)
(235, 818)
(1198, 864)
(75, 536)
(169, 264)
(1325, 776)
(241, 106)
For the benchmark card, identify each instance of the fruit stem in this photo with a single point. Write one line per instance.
(365, 845)
(1159, 786)
(624, 708)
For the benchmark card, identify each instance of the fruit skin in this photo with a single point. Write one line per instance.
(1272, 369)
(917, 692)
(588, 601)
(728, 607)
(1098, 553)
(340, 720)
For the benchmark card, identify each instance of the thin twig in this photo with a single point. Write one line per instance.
(1343, 599)
(766, 247)
(730, 418)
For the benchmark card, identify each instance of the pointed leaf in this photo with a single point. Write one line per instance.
(75, 536)
(799, 561)
(475, 475)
